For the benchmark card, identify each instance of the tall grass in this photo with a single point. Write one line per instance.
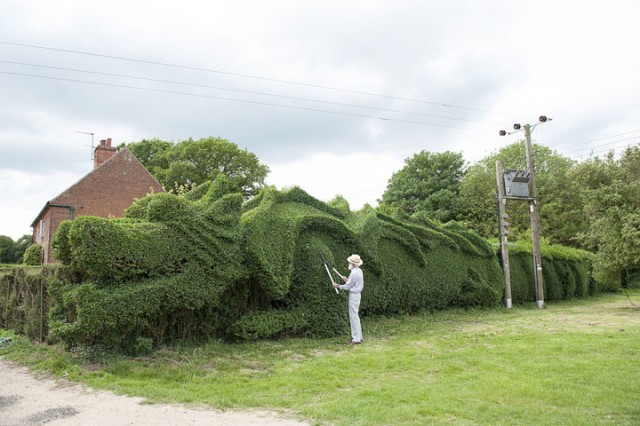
(571, 363)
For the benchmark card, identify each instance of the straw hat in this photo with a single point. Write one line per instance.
(355, 259)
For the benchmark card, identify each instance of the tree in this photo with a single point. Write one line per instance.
(151, 152)
(429, 182)
(7, 248)
(22, 244)
(611, 195)
(559, 202)
(478, 198)
(12, 252)
(192, 162)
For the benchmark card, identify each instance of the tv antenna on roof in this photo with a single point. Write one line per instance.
(92, 134)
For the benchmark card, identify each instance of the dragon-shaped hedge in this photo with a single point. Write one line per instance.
(208, 264)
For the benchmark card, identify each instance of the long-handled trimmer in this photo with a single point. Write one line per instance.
(326, 267)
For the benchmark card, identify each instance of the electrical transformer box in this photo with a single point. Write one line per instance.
(516, 183)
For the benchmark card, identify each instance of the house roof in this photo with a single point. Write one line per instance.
(52, 202)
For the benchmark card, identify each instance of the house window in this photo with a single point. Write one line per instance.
(41, 229)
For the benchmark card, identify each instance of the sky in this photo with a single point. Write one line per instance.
(333, 96)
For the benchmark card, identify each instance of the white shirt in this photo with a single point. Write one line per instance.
(355, 283)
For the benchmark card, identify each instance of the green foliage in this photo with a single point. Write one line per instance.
(284, 234)
(631, 279)
(408, 266)
(33, 255)
(560, 207)
(340, 203)
(475, 291)
(190, 162)
(13, 251)
(7, 247)
(478, 198)
(427, 183)
(142, 346)
(60, 242)
(264, 324)
(23, 299)
(152, 153)
(166, 272)
(205, 265)
(566, 273)
(611, 194)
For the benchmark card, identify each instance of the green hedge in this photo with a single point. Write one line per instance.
(409, 266)
(208, 265)
(566, 273)
(168, 270)
(24, 302)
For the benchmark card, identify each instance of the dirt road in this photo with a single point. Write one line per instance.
(26, 400)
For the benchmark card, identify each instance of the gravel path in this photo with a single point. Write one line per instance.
(29, 401)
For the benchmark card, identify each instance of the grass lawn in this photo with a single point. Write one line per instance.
(572, 363)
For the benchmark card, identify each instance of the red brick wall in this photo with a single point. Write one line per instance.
(49, 223)
(107, 191)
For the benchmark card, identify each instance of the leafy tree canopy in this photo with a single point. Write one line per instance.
(193, 162)
(151, 152)
(558, 200)
(429, 183)
(611, 195)
(12, 251)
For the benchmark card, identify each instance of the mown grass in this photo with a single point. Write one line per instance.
(570, 363)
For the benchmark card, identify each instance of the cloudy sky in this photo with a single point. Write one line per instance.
(331, 95)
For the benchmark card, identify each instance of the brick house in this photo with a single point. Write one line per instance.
(117, 179)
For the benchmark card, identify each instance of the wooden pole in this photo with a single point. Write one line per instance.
(41, 310)
(504, 245)
(535, 221)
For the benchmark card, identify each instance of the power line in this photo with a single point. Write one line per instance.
(250, 76)
(238, 91)
(607, 150)
(598, 139)
(603, 145)
(234, 100)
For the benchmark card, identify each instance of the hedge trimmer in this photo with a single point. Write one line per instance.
(326, 267)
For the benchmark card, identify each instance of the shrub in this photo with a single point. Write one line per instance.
(206, 265)
(168, 273)
(24, 302)
(408, 266)
(566, 272)
(33, 255)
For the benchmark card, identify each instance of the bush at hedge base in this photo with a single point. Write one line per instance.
(206, 265)
(33, 255)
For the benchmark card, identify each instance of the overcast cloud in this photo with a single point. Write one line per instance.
(412, 75)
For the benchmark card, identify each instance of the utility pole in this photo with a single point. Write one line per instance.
(503, 233)
(533, 209)
(535, 221)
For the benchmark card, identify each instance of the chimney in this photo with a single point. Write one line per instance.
(103, 152)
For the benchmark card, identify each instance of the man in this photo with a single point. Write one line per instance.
(354, 284)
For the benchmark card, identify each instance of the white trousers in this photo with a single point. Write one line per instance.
(354, 319)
